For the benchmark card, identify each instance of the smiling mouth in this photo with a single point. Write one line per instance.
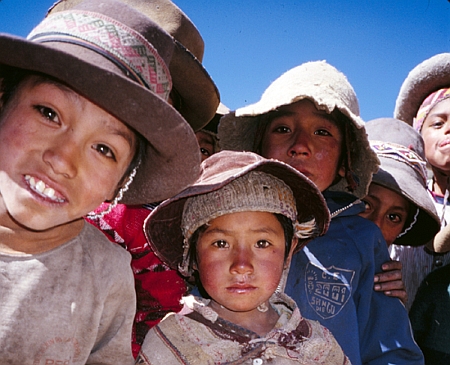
(39, 187)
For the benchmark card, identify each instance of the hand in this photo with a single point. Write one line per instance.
(390, 281)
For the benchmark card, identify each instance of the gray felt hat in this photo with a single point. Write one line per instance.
(328, 89)
(163, 227)
(403, 170)
(427, 77)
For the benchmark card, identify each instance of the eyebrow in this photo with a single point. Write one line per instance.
(277, 113)
(399, 207)
(229, 231)
(72, 94)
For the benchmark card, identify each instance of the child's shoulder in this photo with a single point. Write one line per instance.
(101, 250)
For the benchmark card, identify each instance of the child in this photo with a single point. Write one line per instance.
(424, 103)
(83, 119)
(309, 118)
(207, 136)
(398, 201)
(237, 228)
(430, 315)
(195, 96)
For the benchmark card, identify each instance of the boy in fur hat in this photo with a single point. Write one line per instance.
(398, 201)
(195, 96)
(309, 118)
(236, 229)
(80, 123)
(424, 103)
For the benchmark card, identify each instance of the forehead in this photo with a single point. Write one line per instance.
(304, 109)
(388, 197)
(42, 86)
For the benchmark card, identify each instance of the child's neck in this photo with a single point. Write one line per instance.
(17, 239)
(440, 181)
(255, 321)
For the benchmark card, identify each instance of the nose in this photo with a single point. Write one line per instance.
(377, 218)
(300, 145)
(241, 261)
(62, 156)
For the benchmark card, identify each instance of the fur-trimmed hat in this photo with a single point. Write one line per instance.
(403, 170)
(427, 77)
(328, 89)
(198, 93)
(164, 227)
(106, 52)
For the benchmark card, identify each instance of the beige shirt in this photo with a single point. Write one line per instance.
(74, 304)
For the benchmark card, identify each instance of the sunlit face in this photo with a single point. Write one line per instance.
(308, 140)
(206, 143)
(387, 209)
(240, 258)
(436, 136)
(61, 155)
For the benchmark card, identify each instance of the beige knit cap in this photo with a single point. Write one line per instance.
(328, 89)
(256, 191)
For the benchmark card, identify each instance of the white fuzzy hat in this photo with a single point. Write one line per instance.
(328, 89)
(427, 77)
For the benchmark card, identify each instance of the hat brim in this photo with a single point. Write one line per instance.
(163, 226)
(168, 168)
(427, 222)
(427, 77)
(239, 133)
(200, 96)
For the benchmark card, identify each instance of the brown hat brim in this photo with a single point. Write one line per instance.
(163, 226)
(168, 167)
(200, 96)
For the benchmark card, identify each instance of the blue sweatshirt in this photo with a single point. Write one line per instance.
(331, 279)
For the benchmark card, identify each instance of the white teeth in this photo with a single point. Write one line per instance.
(39, 187)
(49, 192)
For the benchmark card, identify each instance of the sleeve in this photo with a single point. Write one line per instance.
(113, 343)
(385, 330)
(158, 288)
(419, 313)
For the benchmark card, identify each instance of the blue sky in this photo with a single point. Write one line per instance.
(249, 43)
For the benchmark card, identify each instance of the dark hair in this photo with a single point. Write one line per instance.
(288, 230)
(10, 80)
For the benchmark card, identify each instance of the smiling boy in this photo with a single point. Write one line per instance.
(68, 143)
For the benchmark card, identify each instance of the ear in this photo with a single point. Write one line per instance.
(341, 171)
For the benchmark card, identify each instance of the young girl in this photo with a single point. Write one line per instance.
(424, 103)
(398, 201)
(236, 229)
(83, 119)
(309, 118)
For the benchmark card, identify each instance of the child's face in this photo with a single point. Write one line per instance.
(387, 209)
(436, 136)
(206, 143)
(62, 155)
(240, 258)
(308, 140)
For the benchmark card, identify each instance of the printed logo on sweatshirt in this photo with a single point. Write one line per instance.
(58, 351)
(328, 289)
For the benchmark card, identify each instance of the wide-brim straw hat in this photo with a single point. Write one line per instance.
(427, 77)
(163, 226)
(405, 174)
(103, 74)
(328, 89)
(198, 93)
